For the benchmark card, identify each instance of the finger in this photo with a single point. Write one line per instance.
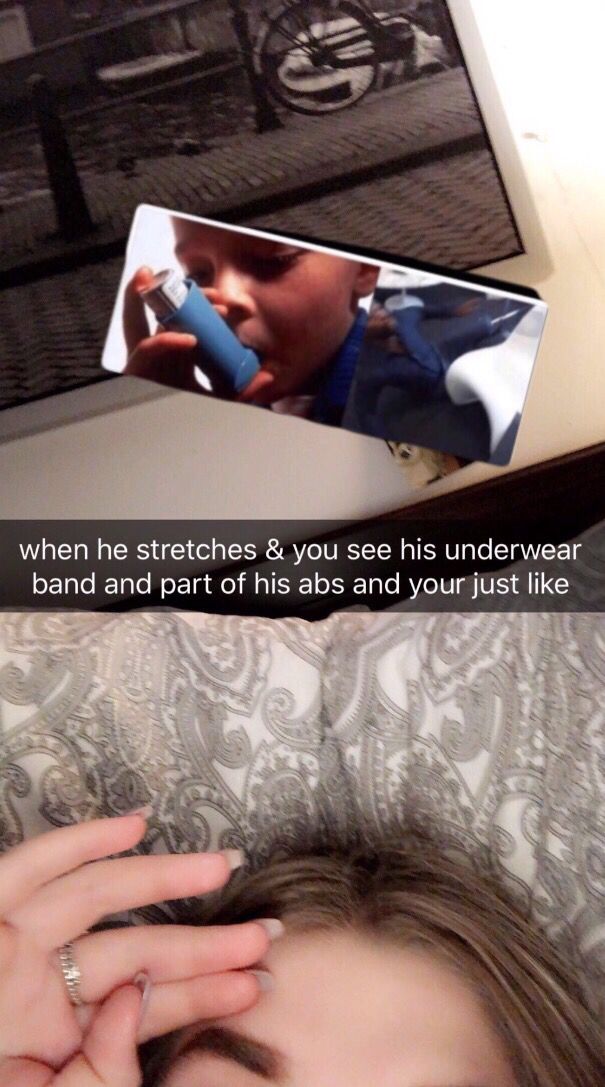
(134, 318)
(109, 1055)
(259, 385)
(20, 1072)
(37, 862)
(165, 953)
(68, 906)
(169, 358)
(162, 348)
(180, 1003)
(214, 297)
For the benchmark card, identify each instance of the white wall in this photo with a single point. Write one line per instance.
(546, 58)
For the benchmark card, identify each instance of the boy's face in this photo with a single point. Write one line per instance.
(294, 307)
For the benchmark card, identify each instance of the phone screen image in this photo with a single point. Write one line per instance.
(400, 354)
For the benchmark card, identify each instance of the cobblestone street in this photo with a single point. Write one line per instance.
(236, 179)
(464, 223)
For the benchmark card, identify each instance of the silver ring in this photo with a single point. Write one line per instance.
(71, 973)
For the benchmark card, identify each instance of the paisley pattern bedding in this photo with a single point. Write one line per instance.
(487, 731)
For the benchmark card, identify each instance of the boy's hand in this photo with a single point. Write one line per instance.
(381, 324)
(56, 887)
(466, 308)
(394, 346)
(259, 390)
(166, 357)
(170, 358)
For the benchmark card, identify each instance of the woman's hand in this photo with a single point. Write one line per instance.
(107, 1057)
(52, 890)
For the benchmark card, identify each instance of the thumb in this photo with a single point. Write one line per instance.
(134, 320)
(258, 389)
(109, 1056)
(21, 1072)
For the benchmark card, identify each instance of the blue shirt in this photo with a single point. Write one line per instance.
(333, 393)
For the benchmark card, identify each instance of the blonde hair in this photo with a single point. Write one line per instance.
(415, 894)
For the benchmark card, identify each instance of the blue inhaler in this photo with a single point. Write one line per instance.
(180, 306)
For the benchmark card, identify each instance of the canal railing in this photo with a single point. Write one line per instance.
(71, 64)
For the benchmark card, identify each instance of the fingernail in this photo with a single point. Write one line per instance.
(143, 270)
(145, 812)
(272, 927)
(188, 339)
(266, 981)
(234, 857)
(143, 984)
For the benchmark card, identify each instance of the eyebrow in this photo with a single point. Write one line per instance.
(256, 1057)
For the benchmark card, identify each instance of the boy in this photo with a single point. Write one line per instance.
(296, 308)
(399, 355)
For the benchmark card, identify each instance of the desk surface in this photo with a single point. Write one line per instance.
(551, 88)
(165, 458)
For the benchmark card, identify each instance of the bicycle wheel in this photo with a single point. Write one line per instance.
(316, 57)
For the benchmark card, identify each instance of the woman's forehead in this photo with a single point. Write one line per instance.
(345, 1005)
(320, 976)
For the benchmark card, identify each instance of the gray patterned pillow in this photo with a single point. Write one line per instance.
(486, 730)
(489, 730)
